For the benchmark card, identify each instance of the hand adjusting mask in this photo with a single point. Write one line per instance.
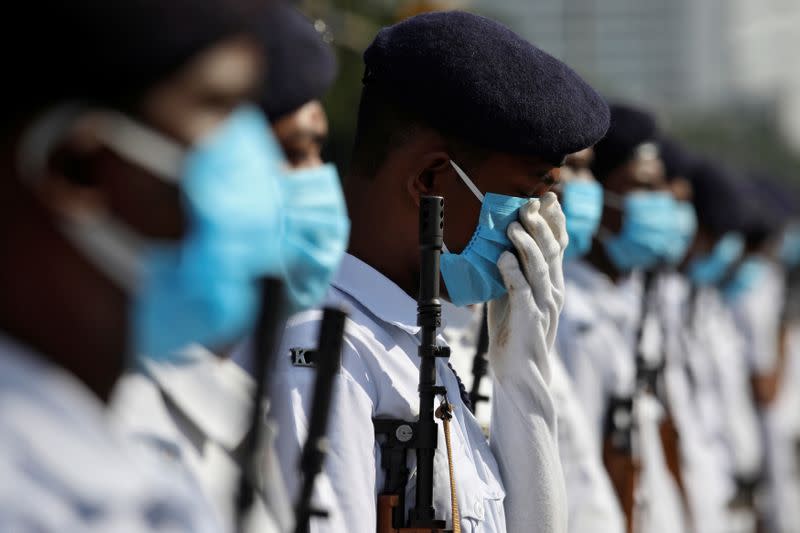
(472, 276)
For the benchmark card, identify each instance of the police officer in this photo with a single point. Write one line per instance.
(591, 501)
(303, 73)
(754, 291)
(455, 105)
(112, 120)
(590, 494)
(195, 406)
(781, 417)
(598, 334)
(716, 363)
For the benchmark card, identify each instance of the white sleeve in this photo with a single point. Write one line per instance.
(524, 440)
(737, 404)
(348, 486)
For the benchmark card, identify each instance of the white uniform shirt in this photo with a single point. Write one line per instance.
(782, 422)
(597, 339)
(724, 348)
(379, 378)
(64, 468)
(758, 316)
(463, 326)
(592, 503)
(704, 457)
(757, 313)
(194, 413)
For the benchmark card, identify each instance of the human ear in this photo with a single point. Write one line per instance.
(428, 175)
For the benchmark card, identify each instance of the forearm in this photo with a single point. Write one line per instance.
(524, 441)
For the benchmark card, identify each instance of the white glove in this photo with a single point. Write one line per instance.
(522, 328)
(523, 323)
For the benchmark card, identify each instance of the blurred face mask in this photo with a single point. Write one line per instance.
(648, 230)
(684, 228)
(711, 268)
(582, 202)
(789, 252)
(202, 289)
(746, 277)
(472, 276)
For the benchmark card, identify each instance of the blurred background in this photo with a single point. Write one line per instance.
(723, 75)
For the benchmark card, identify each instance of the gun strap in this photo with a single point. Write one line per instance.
(445, 413)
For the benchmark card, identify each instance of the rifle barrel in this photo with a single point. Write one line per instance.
(328, 362)
(268, 332)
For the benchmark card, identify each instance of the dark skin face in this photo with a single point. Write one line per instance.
(644, 173)
(302, 134)
(74, 315)
(384, 208)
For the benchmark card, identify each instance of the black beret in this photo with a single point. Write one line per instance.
(718, 198)
(109, 51)
(762, 218)
(780, 197)
(301, 65)
(630, 128)
(473, 77)
(677, 159)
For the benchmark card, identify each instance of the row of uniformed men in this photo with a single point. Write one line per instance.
(159, 147)
(678, 343)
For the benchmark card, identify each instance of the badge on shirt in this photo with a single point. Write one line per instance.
(303, 357)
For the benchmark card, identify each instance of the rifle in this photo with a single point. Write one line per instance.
(480, 364)
(269, 327)
(401, 436)
(328, 361)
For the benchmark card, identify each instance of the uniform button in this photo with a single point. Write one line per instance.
(478, 509)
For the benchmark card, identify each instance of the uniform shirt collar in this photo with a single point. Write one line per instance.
(214, 393)
(377, 293)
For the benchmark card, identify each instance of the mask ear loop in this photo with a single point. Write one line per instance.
(471, 186)
(468, 182)
(42, 137)
(143, 146)
(110, 245)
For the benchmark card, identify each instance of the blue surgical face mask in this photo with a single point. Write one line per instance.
(316, 229)
(238, 199)
(789, 252)
(582, 202)
(648, 220)
(711, 269)
(746, 277)
(684, 229)
(472, 276)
